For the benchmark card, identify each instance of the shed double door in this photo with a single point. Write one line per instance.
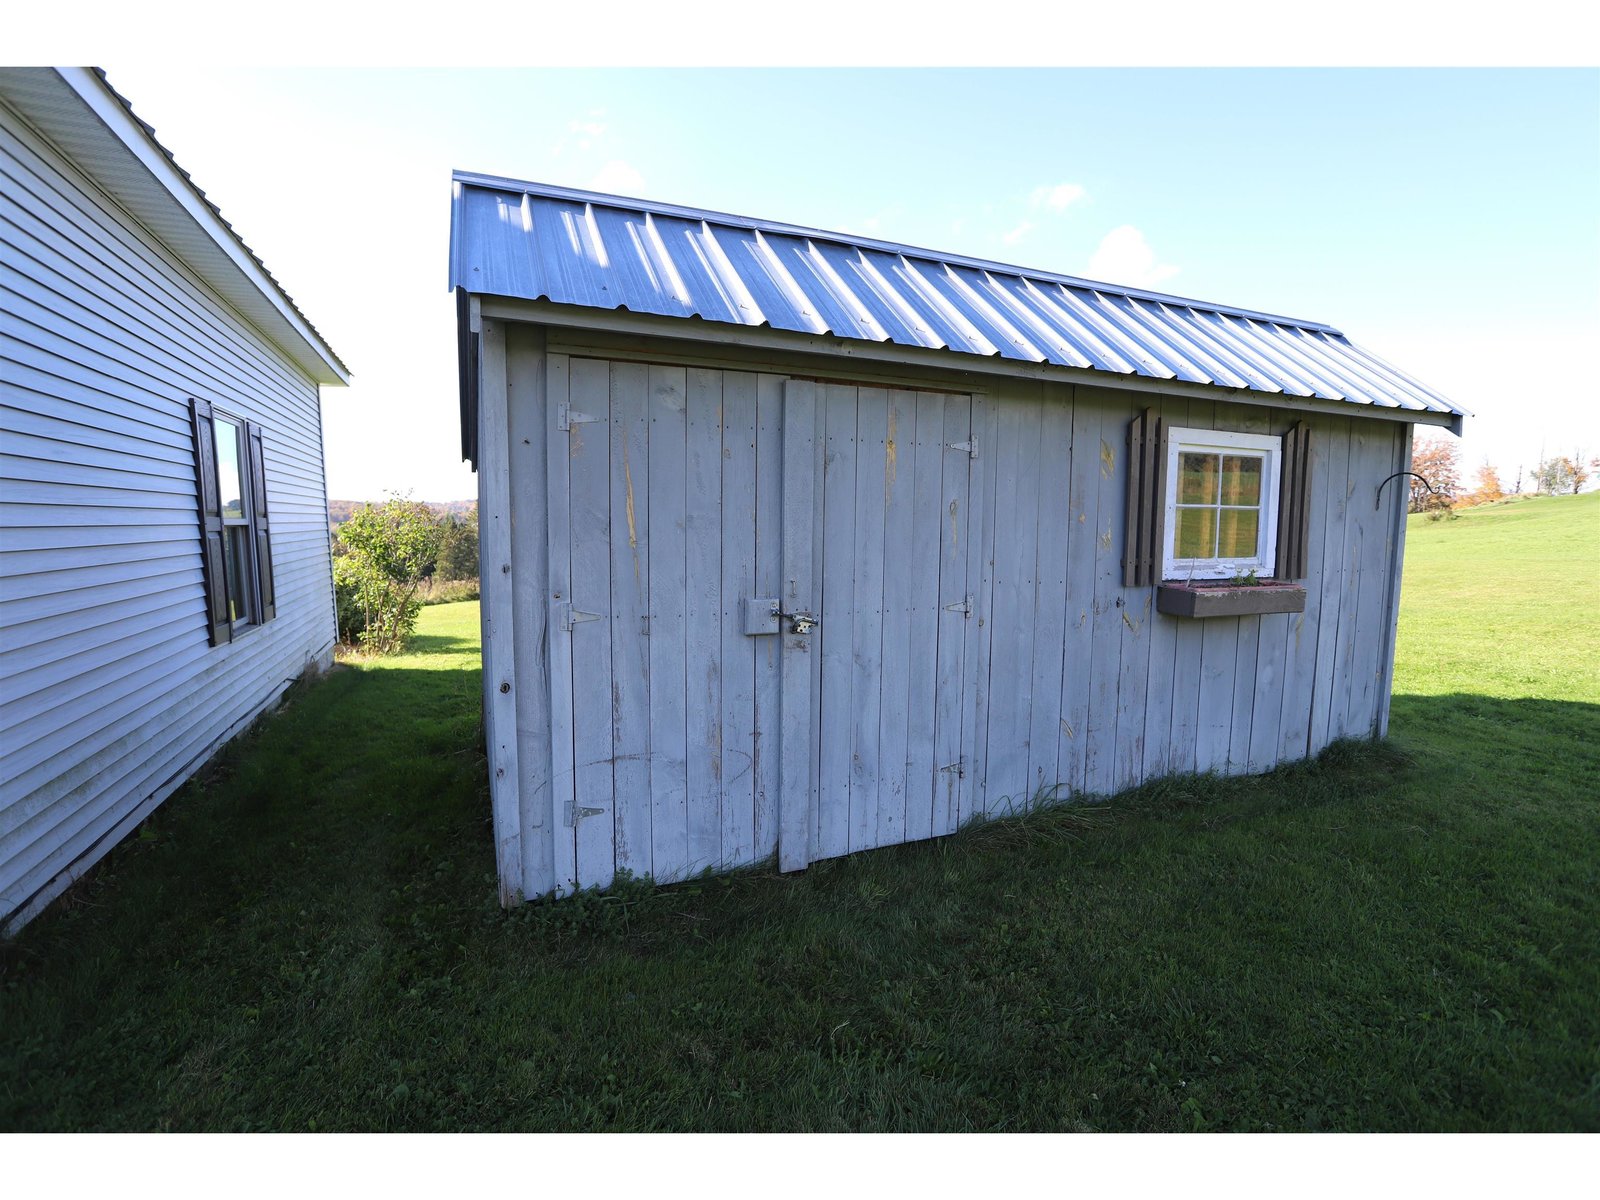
(690, 731)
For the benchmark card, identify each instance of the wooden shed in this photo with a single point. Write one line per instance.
(797, 544)
(164, 560)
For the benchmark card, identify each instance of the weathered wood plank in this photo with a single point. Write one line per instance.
(1011, 675)
(496, 614)
(767, 651)
(1332, 582)
(980, 581)
(1002, 778)
(1137, 615)
(668, 626)
(739, 428)
(921, 458)
(1300, 643)
(905, 558)
(1246, 652)
(703, 630)
(872, 420)
(1214, 727)
(797, 730)
(589, 467)
(937, 456)
(1083, 507)
(630, 610)
(1397, 553)
(1105, 652)
(810, 596)
(1378, 458)
(837, 632)
(563, 840)
(1350, 669)
(1052, 484)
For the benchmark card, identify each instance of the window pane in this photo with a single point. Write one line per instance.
(238, 542)
(1197, 479)
(1241, 480)
(1197, 533)
(1238, 533)
(229, 487)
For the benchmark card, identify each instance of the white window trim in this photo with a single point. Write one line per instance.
(1223, 442)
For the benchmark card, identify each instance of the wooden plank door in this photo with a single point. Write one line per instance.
(664, 709)
(876, 489)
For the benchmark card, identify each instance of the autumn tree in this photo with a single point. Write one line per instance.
(1487, 489)
(1438, 460)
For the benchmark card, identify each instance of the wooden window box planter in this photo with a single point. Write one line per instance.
(1229, 600)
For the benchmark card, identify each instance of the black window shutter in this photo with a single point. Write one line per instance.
(1146, 504)
(258, 520)
(1294, 503)
(213, 562)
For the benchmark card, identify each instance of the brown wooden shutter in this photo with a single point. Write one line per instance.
(258, 521)
(213, 562)
(1146, 503)
(1294, 504)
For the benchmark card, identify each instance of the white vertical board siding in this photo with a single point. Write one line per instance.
(678, 737)
(110, 695)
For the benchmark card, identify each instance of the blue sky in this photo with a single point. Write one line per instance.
(1444, 218)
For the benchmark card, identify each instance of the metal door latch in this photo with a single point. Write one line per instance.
(800, 622)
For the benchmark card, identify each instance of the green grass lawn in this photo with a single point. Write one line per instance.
(1400, 937)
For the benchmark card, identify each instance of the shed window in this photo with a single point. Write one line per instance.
(1205, 504)
(1221, 504)
(235, 540)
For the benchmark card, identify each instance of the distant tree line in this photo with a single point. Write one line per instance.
(1438, 461)
(390, 559)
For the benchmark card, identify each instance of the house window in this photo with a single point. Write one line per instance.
(1221, 512)
(238, 539)
(235, 540)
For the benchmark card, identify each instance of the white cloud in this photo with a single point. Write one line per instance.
(1124, 257)
(589, 130)
(618, 177)
(1017, 234)
(1057, 198)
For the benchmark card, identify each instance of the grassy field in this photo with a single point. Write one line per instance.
(1401, 937)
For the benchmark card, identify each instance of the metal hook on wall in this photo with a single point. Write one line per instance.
(1396, 475)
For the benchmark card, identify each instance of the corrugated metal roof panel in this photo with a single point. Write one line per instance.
(539, 242)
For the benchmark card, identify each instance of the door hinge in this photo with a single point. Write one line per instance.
(970, 447)
(959, 767)
(575, 813)
(572, 616)
(566, 418)
(964, 607)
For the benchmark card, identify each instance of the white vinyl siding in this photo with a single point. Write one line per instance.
(109, 693)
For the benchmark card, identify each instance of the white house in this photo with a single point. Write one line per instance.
(164, 559)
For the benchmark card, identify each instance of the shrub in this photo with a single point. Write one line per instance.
(347, 599)
(385, 551)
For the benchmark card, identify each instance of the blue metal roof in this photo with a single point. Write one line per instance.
(534, 241)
